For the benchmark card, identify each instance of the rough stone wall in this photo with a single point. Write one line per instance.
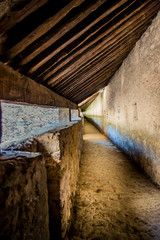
(20, 119)
(69, 169)
(19, 88)
(62, 149)
(128, 109)
(60, 146)
(23, 197)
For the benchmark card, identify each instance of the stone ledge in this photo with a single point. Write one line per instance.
(60, 145)
(23, 141)
(17, 119)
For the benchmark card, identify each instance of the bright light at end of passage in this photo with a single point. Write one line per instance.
(101, 90)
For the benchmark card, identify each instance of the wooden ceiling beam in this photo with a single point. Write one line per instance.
(73, 47)
(101, 77)
(79, 89)
(90, 74)
(94, 34)
(48, 41)
(113, 46)
(95, 87)
(74, 60)
(101, 73)
(102, 66)
(84, 58)
(87, 93)
(48, 50)
(42, 29)
(17, 14)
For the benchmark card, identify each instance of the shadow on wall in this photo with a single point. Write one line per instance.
(141, 152)
(134, 144)
(97, 122)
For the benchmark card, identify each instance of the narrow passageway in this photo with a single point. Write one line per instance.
(115, 200)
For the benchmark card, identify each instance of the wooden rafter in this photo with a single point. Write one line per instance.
(72, 47)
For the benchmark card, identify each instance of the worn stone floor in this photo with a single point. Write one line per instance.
(115, 200)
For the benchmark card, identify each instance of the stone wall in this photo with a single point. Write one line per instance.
(69, 169)
(128, 109)
(60, 146)
(62, 149)
(18, 120)
(19, 88)
(23, 196)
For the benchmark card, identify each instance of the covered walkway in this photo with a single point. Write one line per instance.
(115, 200)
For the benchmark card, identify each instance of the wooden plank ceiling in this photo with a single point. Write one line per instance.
(72, 47)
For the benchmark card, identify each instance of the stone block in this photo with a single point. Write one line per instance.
(75, 115)
(23, 196)
(62, 150)
(18, 120)
(64, 115)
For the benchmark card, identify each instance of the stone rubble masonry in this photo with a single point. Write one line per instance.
(19, 88)
(61, 148)
(19, 119)
(128, 110)
(23, 196)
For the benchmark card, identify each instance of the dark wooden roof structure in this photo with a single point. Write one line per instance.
(73, 47)
(85, 103)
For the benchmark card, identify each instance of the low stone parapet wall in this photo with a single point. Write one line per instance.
(62, 150)
(60, 146)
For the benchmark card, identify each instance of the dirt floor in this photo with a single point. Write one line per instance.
(115, 200)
